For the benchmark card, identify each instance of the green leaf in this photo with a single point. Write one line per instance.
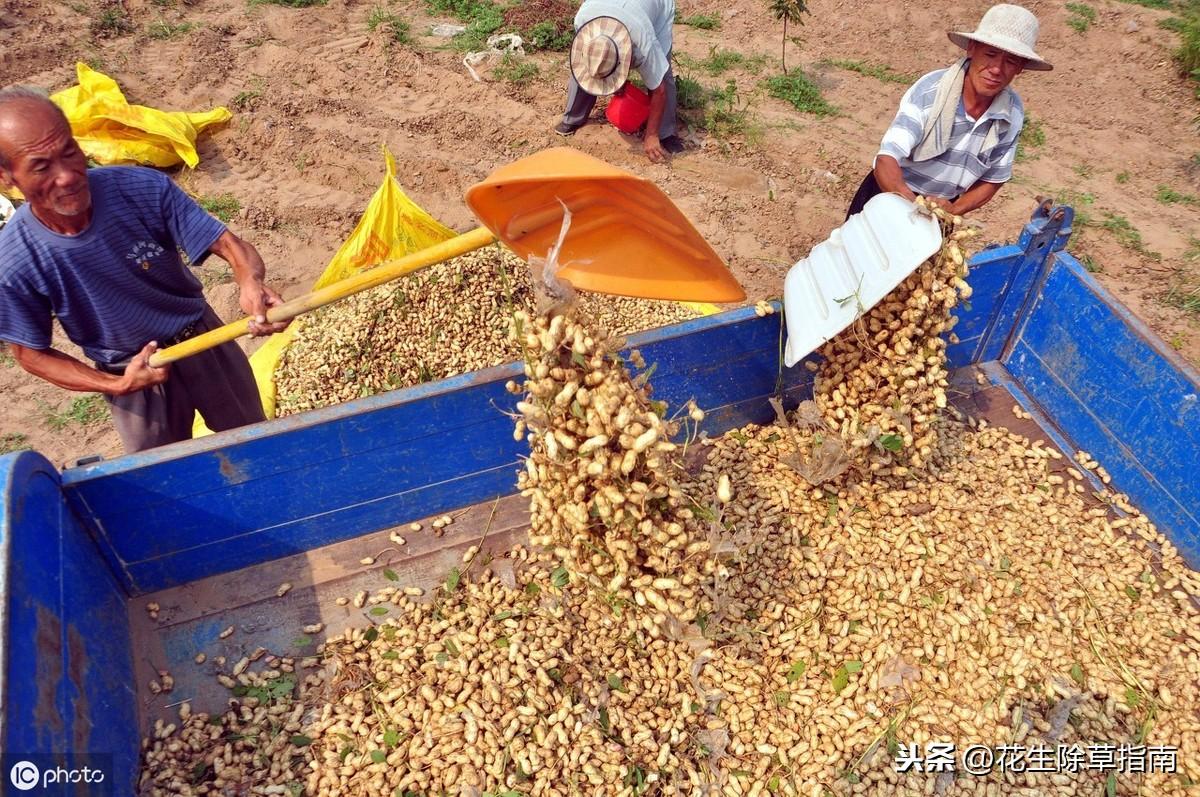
(379, 611)
(891, 442)
(301, 641)
(391, 655)
(300, 740)
(559, 577)
(378, 756)
(346, 751)
(577, 411)
(579, 359)
(615, 683)
(371, 634)
(241, 690)
(773, 784)
(451, 648)
(1110, 785)
(504, 615)
(1005, 564)
(841, 679)
(796, 671)
(1133, 593)
(532, 589)
(390, 575)
(502, 642)
(1132, 698)
(452, 580)
(391, 737)
(604, 726)
(1077, 673)
(854, 666)
(441, 658)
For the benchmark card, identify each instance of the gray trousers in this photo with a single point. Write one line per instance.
(217, 383)
(580, 104)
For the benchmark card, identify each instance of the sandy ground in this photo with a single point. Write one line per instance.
(319, 93)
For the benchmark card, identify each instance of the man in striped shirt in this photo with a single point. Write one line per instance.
(955, 136)
(102, 250)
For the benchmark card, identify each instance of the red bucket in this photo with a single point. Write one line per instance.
(628, 109)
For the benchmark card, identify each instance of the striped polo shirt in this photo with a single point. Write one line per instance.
(117, 285)
(962, 164)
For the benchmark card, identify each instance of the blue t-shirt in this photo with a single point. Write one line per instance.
(119, 284)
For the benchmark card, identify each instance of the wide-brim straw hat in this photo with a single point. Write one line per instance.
(601, 55)
(1010, 28)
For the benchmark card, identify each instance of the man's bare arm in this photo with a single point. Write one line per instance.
(891, 178)
(975, 197)
(249, 271)
(69, 373)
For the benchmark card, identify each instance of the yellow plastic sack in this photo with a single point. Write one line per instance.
(110, 130)
(391, 227)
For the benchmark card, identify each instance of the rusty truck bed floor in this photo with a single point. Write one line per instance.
(192, 617)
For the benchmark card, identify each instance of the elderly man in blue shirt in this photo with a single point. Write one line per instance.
(102, 250)
(955, 136)
(611, 37)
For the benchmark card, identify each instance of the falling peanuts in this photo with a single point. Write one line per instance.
(200, 658)
(414, 592)
(283, 589)
(228, 632)
(396, 539)
(724, 489)
(315, 628)
(367, 560)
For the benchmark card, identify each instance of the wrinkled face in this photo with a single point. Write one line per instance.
(45, 163)
(992, 69)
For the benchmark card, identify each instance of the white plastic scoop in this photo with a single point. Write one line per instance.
(847, 274)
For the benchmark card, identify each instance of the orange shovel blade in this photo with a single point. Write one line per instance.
(626, 236)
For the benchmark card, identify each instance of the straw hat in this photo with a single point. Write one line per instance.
(1009, 28)
(601, 54)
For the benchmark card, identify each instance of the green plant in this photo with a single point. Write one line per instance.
(6, 358)
(877, 71)
(788, 11)
(1082, 16)
(247, 99)
(1169, 196)
(1192, 253)
(1032, 136)
(719, 61)
(702, 21)
(223, 206)
(1186, 299)
(83, 411)
(1126, 234)
(288, 3)
(1123, 177)
(1150, 3)
(1084, 170)
(13, 441)
(549, 35)
(1089, 263)
(162, 30)
(113, 21)
(800, 92)
(727, 114)
(1177, 341)
(515, 70)
(482, 17)
(400, 30)
(689, 94)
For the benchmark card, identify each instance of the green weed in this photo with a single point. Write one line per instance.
(1084, 170)
(83, 411)
(877, 71)
(6, 358)
(113, 21)
(550, 35)
(1082, 16)
(799, 91)
(1090, 264)
(1182, 298)
(1032, 136)
(728, 115)
(223, 206)
(400, 30)
(702, 21)
(1123, 177)
(482, 17)
(1126, 234)
(1169, 196)
(1192, 253)
(719, 61)
(247, 99)
(515, 70)
(1177, 341)
(13, 441)
(1150, 3)
(163, 30)
(689, 94)
(287, 3)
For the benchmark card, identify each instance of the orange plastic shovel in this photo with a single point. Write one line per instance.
(626, 238)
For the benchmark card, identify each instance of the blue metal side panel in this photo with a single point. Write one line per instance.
(1119, 393)
(991, 272)
(207, 506)
(66, 667)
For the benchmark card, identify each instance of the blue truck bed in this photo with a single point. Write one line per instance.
(210, 528)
